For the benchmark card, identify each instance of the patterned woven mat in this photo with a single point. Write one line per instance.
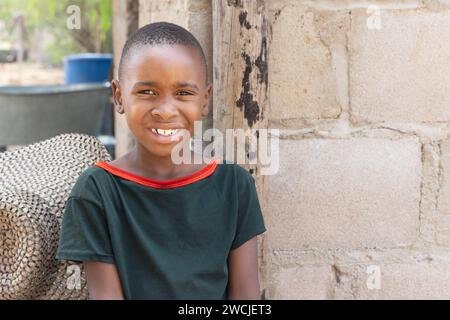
(35, 182)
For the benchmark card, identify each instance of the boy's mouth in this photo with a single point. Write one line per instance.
(164, 132)
(167, 136)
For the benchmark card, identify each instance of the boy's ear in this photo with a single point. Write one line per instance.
(117, 95)
(205, 107)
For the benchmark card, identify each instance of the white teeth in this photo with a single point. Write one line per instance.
(163, 132)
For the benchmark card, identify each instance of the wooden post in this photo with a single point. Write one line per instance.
(240, 30)
(125, 21)
(20, 27)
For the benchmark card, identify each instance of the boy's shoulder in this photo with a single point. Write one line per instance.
(235, 179)
(238, 171)
(90, 173)
(87, 182)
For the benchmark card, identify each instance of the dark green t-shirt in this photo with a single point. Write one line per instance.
(168, 239)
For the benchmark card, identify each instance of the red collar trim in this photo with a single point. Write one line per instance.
(162, 184)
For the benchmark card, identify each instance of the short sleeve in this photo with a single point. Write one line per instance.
(84, 230)
(250, 222)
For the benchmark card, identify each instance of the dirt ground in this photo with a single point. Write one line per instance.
(15, 74)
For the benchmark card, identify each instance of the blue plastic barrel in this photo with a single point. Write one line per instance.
(87, 67)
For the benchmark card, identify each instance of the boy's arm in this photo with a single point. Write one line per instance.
(243, 272)
(103, 281)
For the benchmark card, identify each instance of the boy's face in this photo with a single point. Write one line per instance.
(162, 87)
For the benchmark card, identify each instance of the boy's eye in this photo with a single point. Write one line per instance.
(183, 93)
(148, 91)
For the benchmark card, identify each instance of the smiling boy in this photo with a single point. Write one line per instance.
(145, 227)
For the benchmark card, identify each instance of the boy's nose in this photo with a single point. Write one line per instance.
(165, 111)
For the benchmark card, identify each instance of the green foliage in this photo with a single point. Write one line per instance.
(51, 15)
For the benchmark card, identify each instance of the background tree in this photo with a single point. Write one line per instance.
(94, 34)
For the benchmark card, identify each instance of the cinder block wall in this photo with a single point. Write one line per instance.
(360, 207)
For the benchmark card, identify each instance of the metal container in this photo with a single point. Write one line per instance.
(32, 113)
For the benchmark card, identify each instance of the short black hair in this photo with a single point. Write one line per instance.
(161, 33)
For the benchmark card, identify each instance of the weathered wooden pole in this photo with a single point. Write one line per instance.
(240, 33)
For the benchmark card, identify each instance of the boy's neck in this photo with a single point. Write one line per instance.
(161, 168)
